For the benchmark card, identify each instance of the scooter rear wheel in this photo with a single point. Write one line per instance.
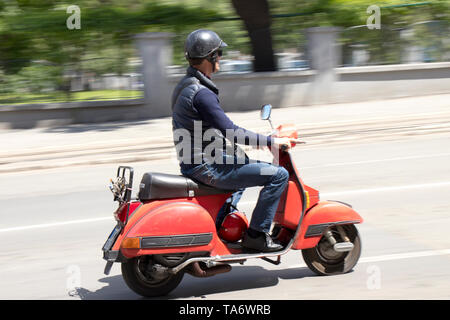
(141, 276)
(323, 260)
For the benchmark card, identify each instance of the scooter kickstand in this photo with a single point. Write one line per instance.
(108, 267)
(273, 261)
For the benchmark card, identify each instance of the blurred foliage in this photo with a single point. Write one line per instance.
(38, 51)
(385, 45)
(34, 36)
(58, 96)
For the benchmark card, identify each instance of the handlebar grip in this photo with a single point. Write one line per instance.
(284, 147)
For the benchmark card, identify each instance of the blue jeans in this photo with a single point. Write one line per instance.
(240, 176)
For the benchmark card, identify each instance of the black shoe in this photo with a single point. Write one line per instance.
(262, 243)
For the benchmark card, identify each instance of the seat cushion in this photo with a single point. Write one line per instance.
(166, 186)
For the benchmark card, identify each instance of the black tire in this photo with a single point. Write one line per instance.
(323, 260)
(137, 275)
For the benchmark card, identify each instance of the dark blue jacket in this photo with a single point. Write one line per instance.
(198, 118)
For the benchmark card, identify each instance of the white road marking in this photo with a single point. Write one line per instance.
(56, 224)
(380, 118)
(242, 203)
(371, 190)
(407, 255)
(384, 189)
(390, 257)
(377, 160)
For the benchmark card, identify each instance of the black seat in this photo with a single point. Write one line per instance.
(166, 186)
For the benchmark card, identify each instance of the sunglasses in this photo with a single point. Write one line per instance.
(217, 53)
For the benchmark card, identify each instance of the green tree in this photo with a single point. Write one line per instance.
(35, 30)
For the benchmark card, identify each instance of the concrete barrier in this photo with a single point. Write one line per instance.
(352, 84)
(248, 91)
(59, 114)
(391, 81)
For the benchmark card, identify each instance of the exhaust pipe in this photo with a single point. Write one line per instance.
(196, 270)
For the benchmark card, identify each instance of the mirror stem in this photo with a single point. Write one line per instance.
(271, 125)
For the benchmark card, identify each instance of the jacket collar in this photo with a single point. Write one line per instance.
(204, 80)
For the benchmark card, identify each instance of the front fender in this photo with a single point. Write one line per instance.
(322, 216)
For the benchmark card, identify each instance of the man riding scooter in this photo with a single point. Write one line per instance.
(168, 229)
(196, 109)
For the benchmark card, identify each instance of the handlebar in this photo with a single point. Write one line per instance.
(296, 141)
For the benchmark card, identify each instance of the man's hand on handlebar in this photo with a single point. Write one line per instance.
(285, 143)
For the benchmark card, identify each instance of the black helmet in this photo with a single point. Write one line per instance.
(201, 43)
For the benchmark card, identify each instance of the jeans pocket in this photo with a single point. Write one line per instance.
(210, 176)
(202, 173)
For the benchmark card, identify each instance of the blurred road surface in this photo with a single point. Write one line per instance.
(55, 221)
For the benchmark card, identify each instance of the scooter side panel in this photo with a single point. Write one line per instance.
(289, 208)
(320, 217)
(173, 219)
(290, 205)
(173, 227)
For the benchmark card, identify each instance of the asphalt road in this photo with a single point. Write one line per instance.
(54, 223)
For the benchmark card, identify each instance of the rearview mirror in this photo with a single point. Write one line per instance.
(265, 111)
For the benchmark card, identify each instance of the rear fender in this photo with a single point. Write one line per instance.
(322, 216)
(162, 227)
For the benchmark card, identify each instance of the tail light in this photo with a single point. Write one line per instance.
(125, 211)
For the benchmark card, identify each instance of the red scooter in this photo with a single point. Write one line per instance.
(170, 228)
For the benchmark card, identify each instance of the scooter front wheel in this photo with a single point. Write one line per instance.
(324, 260)
(148, 279)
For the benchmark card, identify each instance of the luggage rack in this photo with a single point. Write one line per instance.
(121, 187)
